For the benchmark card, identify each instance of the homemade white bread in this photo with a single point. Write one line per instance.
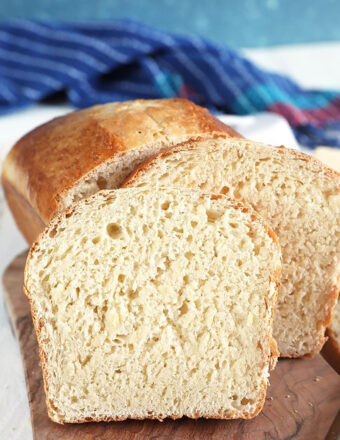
(154, 304)
(331, 350)
(300, 199)
(76, 155)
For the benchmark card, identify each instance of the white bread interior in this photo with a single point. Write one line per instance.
(154, 304)
(300, 199)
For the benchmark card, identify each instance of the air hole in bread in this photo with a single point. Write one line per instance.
(96, 240)
(259, 186)
(53, 232)
(85, 361)
(114, 230)
(203, 185)
(238, 189)
(212, 215)
(183, 309)
(257, 250)
(132, 294)
(101, 182)
(246, 401)
(133, 210)
(165, 205)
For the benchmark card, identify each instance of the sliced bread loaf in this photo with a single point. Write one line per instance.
(154, 304)
(300, 199)
(78, 154)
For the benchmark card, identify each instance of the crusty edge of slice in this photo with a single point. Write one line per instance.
(191, 145)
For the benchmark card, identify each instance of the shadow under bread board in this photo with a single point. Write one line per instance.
(302, 400)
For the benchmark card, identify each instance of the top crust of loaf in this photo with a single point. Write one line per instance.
(51, 159)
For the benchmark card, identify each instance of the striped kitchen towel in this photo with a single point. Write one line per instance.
(118, 60)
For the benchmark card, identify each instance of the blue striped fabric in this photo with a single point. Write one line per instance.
(113, 61)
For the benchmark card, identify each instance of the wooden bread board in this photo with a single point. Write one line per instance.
(301, 403)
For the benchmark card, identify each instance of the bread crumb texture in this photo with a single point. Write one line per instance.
(300, 199)
(154, 304)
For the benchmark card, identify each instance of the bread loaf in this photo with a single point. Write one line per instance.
(300, 199)
(154, 304)
(76, 155)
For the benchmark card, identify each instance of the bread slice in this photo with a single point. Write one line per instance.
(76, 155)
(154, 304)
(331, 350)
(300, 199)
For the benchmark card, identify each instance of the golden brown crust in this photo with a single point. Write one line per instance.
(269, 359)
(228, 415)
(26, 218)
(51, 159)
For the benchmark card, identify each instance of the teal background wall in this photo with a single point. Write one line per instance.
(239, 23)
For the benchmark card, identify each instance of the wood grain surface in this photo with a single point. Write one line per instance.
(301, 403)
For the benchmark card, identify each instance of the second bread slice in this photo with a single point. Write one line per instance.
(300, 199)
